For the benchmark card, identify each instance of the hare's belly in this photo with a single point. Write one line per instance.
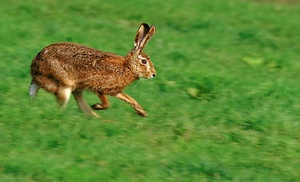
(104, 85)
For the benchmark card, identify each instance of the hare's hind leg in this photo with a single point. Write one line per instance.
(63, 95)
(139, 110)
(60, 90)
(83, 105)
(104, 102)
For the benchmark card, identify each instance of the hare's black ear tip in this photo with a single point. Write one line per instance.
(145, 25)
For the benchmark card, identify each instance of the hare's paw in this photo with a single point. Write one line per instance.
(99, 106)
(141, 112)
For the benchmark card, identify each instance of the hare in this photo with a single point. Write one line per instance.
(65, 68)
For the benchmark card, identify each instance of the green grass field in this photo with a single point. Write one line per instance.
(224, 106)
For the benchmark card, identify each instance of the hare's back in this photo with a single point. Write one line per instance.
(69, 53)
(74, 56)
(75, 62)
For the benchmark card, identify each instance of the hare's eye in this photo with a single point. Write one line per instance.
(144, 61)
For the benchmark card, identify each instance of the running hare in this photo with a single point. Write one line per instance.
(65, 68)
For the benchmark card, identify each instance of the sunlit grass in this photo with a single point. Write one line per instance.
(224, 105)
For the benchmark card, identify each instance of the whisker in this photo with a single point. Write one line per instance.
(138, 81)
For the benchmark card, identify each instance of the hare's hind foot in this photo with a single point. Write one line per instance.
(104, 102)
(83, 105)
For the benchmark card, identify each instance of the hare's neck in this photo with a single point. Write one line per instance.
(128, 76)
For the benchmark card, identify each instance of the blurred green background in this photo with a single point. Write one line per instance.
(223, 107)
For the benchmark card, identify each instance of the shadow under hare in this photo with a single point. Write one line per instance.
(65, 68)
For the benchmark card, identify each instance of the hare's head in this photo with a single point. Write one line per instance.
(139, 62)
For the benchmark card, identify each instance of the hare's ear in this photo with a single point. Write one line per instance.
(143, 35)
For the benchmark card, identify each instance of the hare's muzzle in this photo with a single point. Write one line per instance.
(153, 74)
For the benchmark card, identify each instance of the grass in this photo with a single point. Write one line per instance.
(224, 106)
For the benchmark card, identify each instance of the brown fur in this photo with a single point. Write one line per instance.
(65, 68)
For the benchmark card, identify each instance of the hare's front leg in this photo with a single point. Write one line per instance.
(132, 102)
(104, 102)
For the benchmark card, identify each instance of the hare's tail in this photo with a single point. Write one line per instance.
(33, 89)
